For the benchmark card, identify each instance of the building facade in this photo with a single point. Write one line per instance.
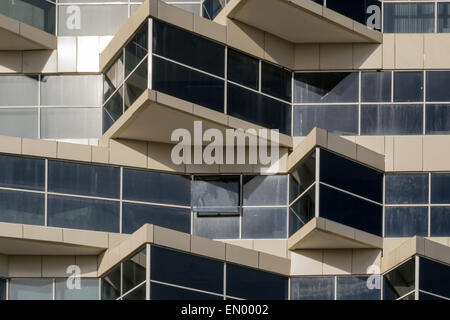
(95, 96)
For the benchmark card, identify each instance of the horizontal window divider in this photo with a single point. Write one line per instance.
(186, 288)
(260, 92)
(406, 294)
(268, 206)
(71, 106)
(434, 294)
(22, 190)
(325, 104)
(406, 205)
(412, 103)
(156, 204)
(132, 289)
(299, 218)
(350, 193)
(306, 190)
(232, 297)
(81, 196)
(439, 205)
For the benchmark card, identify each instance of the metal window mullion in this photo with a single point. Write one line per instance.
(46, 194)
(424, 102)
(317, 186)
(39, 108)
(225, 97)
(429, 204)
(416, 280)
(435, 17)
(224, 280)
(359, 102)
(53, 289)
(241, 203)
(120, 201)
(383, 217)
(150, 54)
(147, 273)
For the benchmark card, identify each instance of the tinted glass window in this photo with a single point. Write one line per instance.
(133, 271)
(302, 176)
(87, 214)
(136, 84)
(188, 48)
(406, 221)
(351, 176)
(31, 289)
(21, 172)
(354, 9)
(243, 69)
(399, 281)
(13, 87)
(187, 84)
(113, 77)
(326, 87)
(27, 117)
(408, 86)
(312, 288)
(85, 179)
(111, 288)
(276, 81)
(136, 49)
(186, 270)
(434, 277)
(259, 109)
(339, 119)
(265, 190)
(2, 289)
(88, 290)
(216, 194)
(137, 294)
(135, 216)
(376, 86)
(264, 223)
(255, 284)
(163, 292)
(156, 187)
(349, 210)
(112, 109)
(21, 207)
(356, 288)
(437, 89)
(426, 296)
(408, 17)
(443, 17)
(216, 227)
(302, 211)
(440, 191)
(437, 119)
(440, 222)
(391, 119)
(406, 188)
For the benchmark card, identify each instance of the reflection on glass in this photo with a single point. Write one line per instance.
(312, 288)
(399, 281)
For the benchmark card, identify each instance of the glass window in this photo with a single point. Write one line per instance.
(216, 195)
(303, 175)
(194, 8)
(259, 109)
(135, 216)
(399, 281)
(339, 119)
(312, 288)
(440, 222)
(211, 8)
(351, 176)
(376, 86)
(406, 188)
(113, 77)
(88, 290)
(28, 119)
(406, 221)
(136, 49)
(136, 84)
(188, 84)
(156, 187)
(12, 89)
(408, 17)
(243, 69)
(426, 296)
(302, 211)
(356, 288)
(162, 292)
(440, 192)
(264, 190)
(133, 271)
(216, 227)
(434, 277)
(437, 118)
(188, 48)
(91, 20)
(140, 293)
(351, 211)
(443, 23)
(437, 89)
(85, 179)
(21, 207)
(391, 119)
(255, 284)
(2, 289)
(113, 109)
(186, 270)
(276, 81)
(408, 86)
(70, 123)
(80, 213)
(356, 10)
(264, 223)
(22, 172)
(31, 289)
(69, 90)
(325, 87)
(111, 288)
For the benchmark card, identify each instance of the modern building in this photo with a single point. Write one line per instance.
(93, 205)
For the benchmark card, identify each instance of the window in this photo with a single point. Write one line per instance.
(22, 207)
(437, 86)
(264, 223)
(166, 292)
(140, 293)
(111, 288)
(434, 277)
(136, 84)
(113, 77)
(406, 188)
(312, 288)
(376, 86)
(303, 176)
(276, 81)
(211, 8)
(2, 289)
(408, 86)
(133, 271)
(356, 288)
(12, 89)
(443, 17)
(88, 290)
(437, 118)
(22, 172)
(302, 210)
(408, 17)
(406, 221)
(216, 227)
(31, 289)
(440, 183)
(112, 109)
(243, 69)
(28, 119)
(440, 222)
(264, 190)
(136, 50)
(400, 281)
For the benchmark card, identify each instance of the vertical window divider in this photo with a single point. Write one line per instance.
(7, 289)
(53, 289)
(435, 17)
(335, 287)
(260, 76)
(39, 108)
(429, 204)
(416, 278)
(192, 211)
(383, 214)
(99, 288)
(46, 194)
(424, 102)
(241, 204)
(359, 102)
(225, 98)
(120, 200)
(292, 102)
(288, 182)
(317, 182)
(224, 280)
(392, 86)
(147, 271)
(150, 54)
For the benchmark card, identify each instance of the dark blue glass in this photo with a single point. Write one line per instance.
(437, 118)
(2, 289)
(136, 84)
(406, 221)
(211, 8)
(113, 109)
(22, 207)
(302, 210)
(408, 86)
(276, 81)
(243, 69)
(408, 17)
(437, 89)
(406, 188)
(136, 49)
(164, 292)
(314, 288)
(376, 86)
(400, 281)
(440, 222)
(303, 175)
(357, 10)
(356, 288)
(434, 277)
(22, 172)
(440, 188)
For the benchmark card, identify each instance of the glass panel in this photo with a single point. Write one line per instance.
(113, 109)
(408, 17)
(79, 213)
(22, 172)
(264, 223)
(216, 227)
(302, 176)
(135, 216)
(406, 188)
(436, 85)
(391, 119)
(68, 90)
(408, 86)
(376, 86)
(31, 289)
(243, 69)
(351, 211)
(264, 190)
(312, 288)
(85, 179)
(91, 20)
(426, 296)
(136, 49)
(302, 211)
(356, 288)
(136, 84)
(113, 77)
(399, 281)
(339, 119)
(276, 81)
(188, 84)
(2, 289)
(443, 17)
(70, 123)
(406, 221)
(21, 207)
(259, 109)
(188, 48)
(186, 270)
(194, 8)
(255, 284)
(162, 292)
(211, 8)
(354, 9)
(88, 290)
(133, 271)
(28, 119)
(351, 176)
(324, 87)
(137, 294)
(216, 195)
(434, 277)
(440, 183)
(12, 89)
(111, 284)
(156, 187)
(440, 222)
(437, 118)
